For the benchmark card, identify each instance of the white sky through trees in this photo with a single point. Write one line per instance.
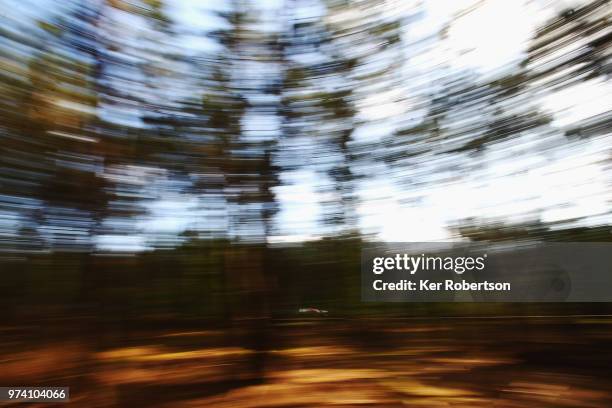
(535, 176)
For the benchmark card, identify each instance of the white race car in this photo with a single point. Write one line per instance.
(312, 310)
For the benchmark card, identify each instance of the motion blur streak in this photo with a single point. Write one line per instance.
(180, 179)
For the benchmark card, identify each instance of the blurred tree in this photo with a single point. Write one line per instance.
(320, 86)
(497, 230)
(52, 155)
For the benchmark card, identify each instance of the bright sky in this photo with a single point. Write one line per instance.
(559, 181)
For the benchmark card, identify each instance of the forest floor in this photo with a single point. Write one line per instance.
(443, 362)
